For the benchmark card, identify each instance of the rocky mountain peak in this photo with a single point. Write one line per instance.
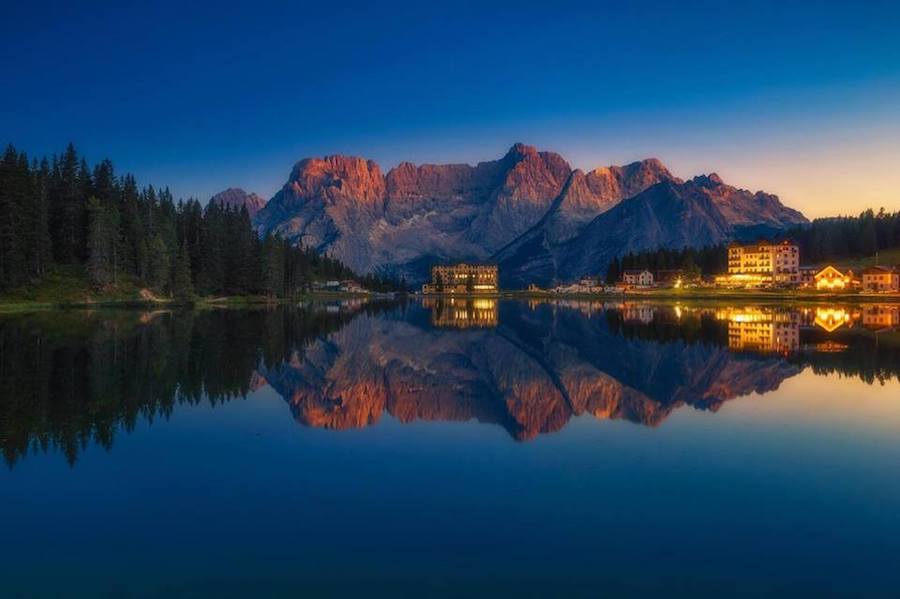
(338, 177)
(235, 198)
(520, 150)
(710, 181)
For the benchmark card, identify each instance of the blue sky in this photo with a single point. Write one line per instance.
(801, 99)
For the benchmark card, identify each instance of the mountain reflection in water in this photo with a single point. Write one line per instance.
(73, 378)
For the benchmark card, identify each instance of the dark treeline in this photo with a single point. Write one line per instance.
(69, 379)
(61, 211)
(694, 262)
(692, 328)
(827, 239)
(874, 358)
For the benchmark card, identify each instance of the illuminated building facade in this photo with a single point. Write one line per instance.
(462, 278)
(762, 264)
(830, 278)
(808, 276)
(881, 279)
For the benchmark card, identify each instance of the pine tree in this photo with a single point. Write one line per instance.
(68, 209)
(101, 243)
(182, 287)
(613, 271)
(132, 230)
(158, 264)
(242, 264)
(10, 190)
(211, 270)
(273, 266)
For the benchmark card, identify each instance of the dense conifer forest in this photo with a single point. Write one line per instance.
(60, 212)
(693, 261)
(847, 237)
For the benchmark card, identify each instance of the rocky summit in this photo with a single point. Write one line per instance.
(235, 198)
(529, 211)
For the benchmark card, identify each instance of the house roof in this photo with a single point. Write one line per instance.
(762, 243)
(831, 268)
(879, 270)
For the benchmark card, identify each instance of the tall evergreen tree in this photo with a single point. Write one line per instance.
(68, 209)
(102, 238)
(273, 252)
(158, 266)
(11, 191)
(181, 278)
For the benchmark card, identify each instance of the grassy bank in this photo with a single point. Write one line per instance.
(69, 287)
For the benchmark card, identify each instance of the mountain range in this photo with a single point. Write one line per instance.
(529, 211)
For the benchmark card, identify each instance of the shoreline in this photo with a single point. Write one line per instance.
(658, 294)
(8, 307)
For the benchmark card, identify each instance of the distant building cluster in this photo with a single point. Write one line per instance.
(760, 265)
(345, 286)
(767, 264)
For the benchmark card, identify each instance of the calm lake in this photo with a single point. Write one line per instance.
(447, 448)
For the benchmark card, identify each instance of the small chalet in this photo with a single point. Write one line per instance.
(830, 278)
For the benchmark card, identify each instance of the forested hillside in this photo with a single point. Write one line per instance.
(59, 212)
(853, 237)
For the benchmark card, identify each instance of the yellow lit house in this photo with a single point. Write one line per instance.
(762, 264)
(830, 278)
(462, 279)
(881, 279)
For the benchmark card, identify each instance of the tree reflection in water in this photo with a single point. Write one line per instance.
(73, 378)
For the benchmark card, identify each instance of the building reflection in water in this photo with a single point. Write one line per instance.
(831, 319)
(881, 317)
(764, 330)
(463, 313)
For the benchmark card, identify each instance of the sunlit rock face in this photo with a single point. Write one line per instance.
(531, 257)
(531, 374)
(700, 212)
(345, 206)
(235, 198)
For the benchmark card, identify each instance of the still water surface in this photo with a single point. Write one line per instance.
(447, 448)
